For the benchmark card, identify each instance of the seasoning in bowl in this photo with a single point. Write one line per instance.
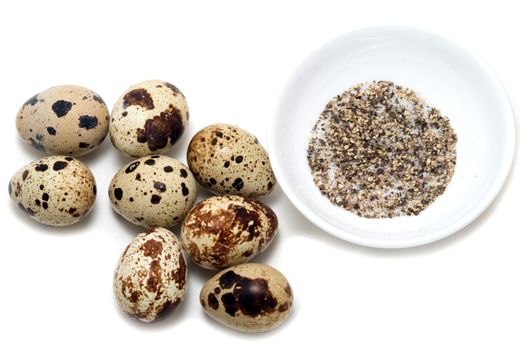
(380, 151)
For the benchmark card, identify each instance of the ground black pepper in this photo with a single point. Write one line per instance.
(379, 150)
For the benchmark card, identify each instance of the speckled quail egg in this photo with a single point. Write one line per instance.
(55, 190)
(148, 118)
(151, 276)
(67, 120)
(249, 297)
(153, 191)
(223, 231)
(228, 160)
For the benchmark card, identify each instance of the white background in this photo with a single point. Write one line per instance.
(231, 60)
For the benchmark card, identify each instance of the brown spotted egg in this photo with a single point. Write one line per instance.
(153, 191)
(248, 297)
(151, 276)
(148, 118)
(55, 190)
(67, 120)
(228, 160)
(223, 231)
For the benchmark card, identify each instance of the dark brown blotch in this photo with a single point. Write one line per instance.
(228, 279)
(61, 108)
(41, 167)
(185, 190)
(152, 248)
(178, 276)
(158, 131)
(212, 301)
(155, 199)
(252, 297)
(238, 184)
(230, 304)
(131, 167)
(59, 165)
(247, 253)
(248, 220)
(160, 186)
(118, 193)
(25, 175)
(154, 278)
(138, 97)
(88, 122)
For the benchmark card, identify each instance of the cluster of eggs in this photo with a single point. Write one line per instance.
(223, 232)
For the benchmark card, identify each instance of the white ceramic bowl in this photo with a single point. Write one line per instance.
(449, 78)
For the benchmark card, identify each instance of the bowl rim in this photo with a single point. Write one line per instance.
(473, 214)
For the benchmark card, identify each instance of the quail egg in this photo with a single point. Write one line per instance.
(223, 231)
(228, 160)
(148, 118)
(67, 120)
(151, 276)
(55, 190)
(249, 297)
(153, 191)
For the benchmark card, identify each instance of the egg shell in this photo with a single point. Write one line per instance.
(148, 118)
(153, 191)
(67, 120)
(151, 276)
(228, 160)
(223, 231)
(249, 297)
(55, 190)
